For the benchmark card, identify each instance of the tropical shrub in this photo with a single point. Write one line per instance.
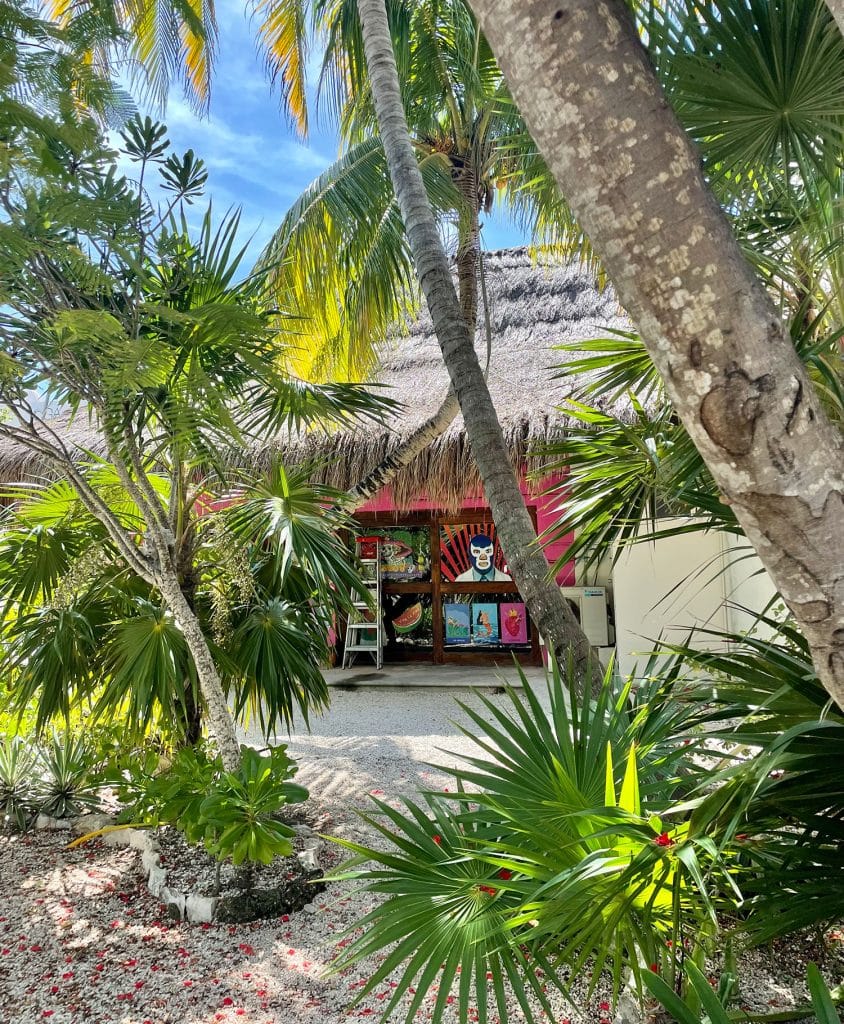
(17, 765)
(570, 854)
(235, 815)
(775, 743)
(68, 781)
(60, 776)
(126, 580)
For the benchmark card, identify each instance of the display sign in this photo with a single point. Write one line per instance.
(470, 553)
(458, 627)
(405, 554)
(513, 617)
(484, 623)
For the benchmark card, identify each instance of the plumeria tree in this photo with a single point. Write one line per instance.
(123, 569)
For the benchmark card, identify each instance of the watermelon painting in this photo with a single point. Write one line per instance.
(409, 619)
(513, 622)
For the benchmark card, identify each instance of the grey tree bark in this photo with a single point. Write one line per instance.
(468, 254)
(548, 609)
(584, 84)
(220, 722)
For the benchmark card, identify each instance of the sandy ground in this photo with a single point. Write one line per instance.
(82, 942)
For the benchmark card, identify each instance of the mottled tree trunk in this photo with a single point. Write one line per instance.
(468, 255)
(548, 609)
(590, 97)
(220, 721)
(189, 709)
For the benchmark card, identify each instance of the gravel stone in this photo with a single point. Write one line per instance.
(82, 941)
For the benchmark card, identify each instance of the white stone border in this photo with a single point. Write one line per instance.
(189, 906)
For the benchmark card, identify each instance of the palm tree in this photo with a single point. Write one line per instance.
(158, 40)
(726, 357)
(340, 257)
(515, 529)
(344, 238)
(116, 313)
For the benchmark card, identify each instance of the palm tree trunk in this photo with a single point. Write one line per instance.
(468, 255)
(220, 721)
(633, 179)
(518, 539)
(402, 455)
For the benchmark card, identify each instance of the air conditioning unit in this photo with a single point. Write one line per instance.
(590, 606)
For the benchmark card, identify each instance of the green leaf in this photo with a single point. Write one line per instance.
(824, 1007)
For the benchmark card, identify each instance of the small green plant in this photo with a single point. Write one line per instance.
(709, 1005)
(241, 811)
(67, 783)
(17, 765)
(235, 815)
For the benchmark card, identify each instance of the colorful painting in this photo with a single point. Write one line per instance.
(458, 629)
(470, 553)
(513, 622)
(408, 619)
(405, 554)
(484, 623)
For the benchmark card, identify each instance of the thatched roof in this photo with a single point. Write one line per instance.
(534, 307)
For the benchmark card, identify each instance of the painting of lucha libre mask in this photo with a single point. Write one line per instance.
(481, 550)
(470, 553)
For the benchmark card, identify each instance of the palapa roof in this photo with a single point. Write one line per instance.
(534, 306)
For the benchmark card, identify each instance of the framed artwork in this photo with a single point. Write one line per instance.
(484, 623)
(513, 622)
(405, 554)
(458, 628)
(470, 553)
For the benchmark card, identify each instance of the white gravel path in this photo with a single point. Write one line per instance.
(82, 942)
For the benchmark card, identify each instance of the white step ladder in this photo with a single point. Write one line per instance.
(366, 635)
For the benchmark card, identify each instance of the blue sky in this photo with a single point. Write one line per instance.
(254, 159)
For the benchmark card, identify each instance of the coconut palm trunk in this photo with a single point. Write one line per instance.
(518, 539)
(633, 179)
(402, 455)
(466, 265)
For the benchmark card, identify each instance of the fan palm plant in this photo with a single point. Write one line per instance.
(777, 739)
(560, 852)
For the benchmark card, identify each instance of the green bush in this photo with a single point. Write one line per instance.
(68, 781)
(777, 743)
(17, 766)
(235, 815)
(59, 777)
(571, 854)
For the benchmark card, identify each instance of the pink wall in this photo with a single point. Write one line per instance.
(545, 517)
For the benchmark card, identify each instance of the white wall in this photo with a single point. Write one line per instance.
(665, 588)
